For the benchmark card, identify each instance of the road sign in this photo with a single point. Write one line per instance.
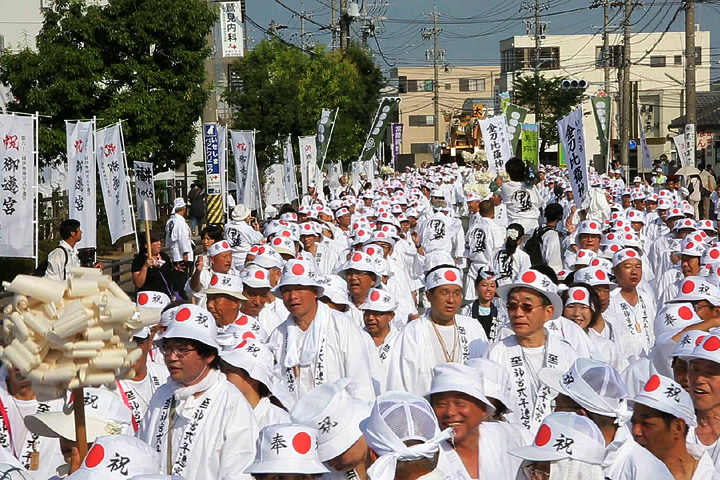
(632, 144)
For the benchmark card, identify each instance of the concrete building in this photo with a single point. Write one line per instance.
(657, 77)
(460, 87)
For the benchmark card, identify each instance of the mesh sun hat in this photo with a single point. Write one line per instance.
(191, 322)
(695, 289)
(254, 276)
(398, 417)
(595, 276)
(117, 457)
(335, 289)
(335, 413)
(674, 317)
(456, 377)
(496, 381)
(380, 301)
(298, 272)
(287, 449)
(443, 276)
(536, 281)
(267, 257)
(565, 435)
(687, 343)
(666, 395)
(105, 414)
(221, 283)
(594, 385)
(361, 262)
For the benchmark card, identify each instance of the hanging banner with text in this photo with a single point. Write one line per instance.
(82, 172)
(690, 143)
(335, 171)
(515, 116)
(397, 134)
(18, 182)
(111, 165)
(570, 131)
(497, 143)
(681, 149)
(231, 29)
(145, 191)
(275, 184)
(308, 161)
(601, 112)
(246, 172)
(530, 143)
(387, 107)
(647, 159)
(291, 187)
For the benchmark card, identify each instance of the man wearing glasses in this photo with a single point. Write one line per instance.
(438, 336)
(531, 301)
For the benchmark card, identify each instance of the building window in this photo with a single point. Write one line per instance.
(428, 86)
(524, 59)
(698, 55)
(419, 148)
(472, 84)
(421, 120)
(402, 84)
(657, 61)
(448, 86)
(677, 60)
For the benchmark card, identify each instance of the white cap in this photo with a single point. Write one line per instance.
(298, 272)
(443, 276)
(374, 250)
(496, 381)
(578, 295)
(674, 317)
(636, 216)
(191, 322)
(536, 281)
(624, 255)
(267, 257)
(707, 349)
(381, 236)
(661, 393)
(584, 257)
(255, 277)
(105, 414)
(589, 227)
(179, 204)
(594, 276)
(239, 213)
(379, 301)
(694, 289)
(335, 289)
(361, 262)
(117, 457)
(310, 228)
(222, 283)
(289, 217)
(152, 299)
(692, 248)
(286, 448)
(456, 377)
(336, 414)
(687, 343)
(284, 245)
(218, 248)
(565, 435)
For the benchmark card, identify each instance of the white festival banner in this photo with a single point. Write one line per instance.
(246, 170)
(291, 187)
(18, 184)
(308, 161)
(275, 184)
(570, 130)
(111, 165)
(82, 172)
(647, 159)
(497, 142)
(681, 148)
(145, 191)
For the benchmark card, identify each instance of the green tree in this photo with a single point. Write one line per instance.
(283, 91)
(141, 61)
(546, 98)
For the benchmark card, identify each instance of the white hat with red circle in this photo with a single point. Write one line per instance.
(602, 262)
(664, 203)
(711, 256)
(379, 301)
(374, 250)
(227, 284)
(310, 228)
(384, 237)
(584, 256)
(267, 257)
(565, 435)
(536, 281)
(611, 248)
(218, 248)
(695, 289)
(299, 273)
(254, 276)
(287, 449)
(594, 276)
(667, 396)
(624, 255)
(444, 275)
(578, 294)
(707, 349)
(684, 224)
(284, 246)
(361, 262)
(152, 299)
(117, 457)
(191, 322)
(691, 247)
(289, 217)
(341, 212)
(687, 343)
(674, 317)
(335, 289)
(590, 227)
(636, 216)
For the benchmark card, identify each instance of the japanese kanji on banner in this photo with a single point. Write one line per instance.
(570, 130)
(82, 194)
(246, 171)
(335, 171)
(145, 191)
(497, 142)
(397, 134)
(275, 184)
(647, 159)
(18, 183)
(291, 187)
(231, 29)
(690, 143)
(530, 141)
(308, 161)
(111, 165)
(681, 148)
(325, 128)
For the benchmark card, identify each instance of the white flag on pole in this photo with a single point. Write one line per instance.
(570, 130)
(681, 147)
(111, 166)
(291, 188)
(246, 171)
(690, 143)
(497, 142)
(335, 171)
(308, 161)
(222, 159)
(145, 191)
(18, 182)
(647, 159)
(82, 191)
(275, 184)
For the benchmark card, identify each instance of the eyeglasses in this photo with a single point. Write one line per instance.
(531, 473)
(700, 306)
(525, 307)
(178, 352)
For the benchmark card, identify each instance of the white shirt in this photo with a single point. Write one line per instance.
(59, 264)
(523, 204)
(177, 238)
(626, 460)
(241, 237)
(137, 395)
(268, 414)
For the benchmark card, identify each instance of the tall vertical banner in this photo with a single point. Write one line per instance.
(530, 143)
(647, 159)
(690, 143)
(213, 177)
(681, 148)
(291, 188)
(570, 130)
(515, 116)
(379, 126)
(247, 176)
(275, 184)
(18, 184)
(397, 135)
(231, 29)
(497, 143)
(601, 111)
(308, 161)
(111, 165)
(335, 171)
(222, 159)
(325, 128)
(145, 191)
(82, 172)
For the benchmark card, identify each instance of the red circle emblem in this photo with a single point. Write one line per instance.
(712, 344)
(652, 384)
(245, 337)
(689, 245)
(260, 275)
(95, 456)
(361, 233)
(214, 280)
(143, 298)
(631, 253)
(595, 262)
(302, 443)
(581, 254)
(450, 276)
(614, 248)
(688, 286)
(699, 340)
(375, 296)
(286, 233)
(261, 250)
(183, 315)
(357, 257)
(225, 245)
(593, 226)
(254, 249)
(370, 251)
(528, 277)
(298, 269)
(242, 320)
(579, 295)
(600, 275)
(685, 313)
(277, 241)
(543, 436)
(714, 253)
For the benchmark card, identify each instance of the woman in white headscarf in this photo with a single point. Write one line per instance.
(510, 260)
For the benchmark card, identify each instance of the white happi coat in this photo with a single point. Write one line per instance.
(331, 349)
(268, 414)
(494, 461)
(384, 352)
(634, 322)
(213, 435)
(22, 442)
(241, 237)
(534, 397)
(177, 238)
(326, 258)
(439, 235)
(413, 357)
(137, 395)
(705, 469)
(625, 459)
(481, 242)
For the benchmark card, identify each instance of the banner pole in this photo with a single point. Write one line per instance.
(327, 145)
(36, 155)
(94, 162)
(80, 426)
(127, 185)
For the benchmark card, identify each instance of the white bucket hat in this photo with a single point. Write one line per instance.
(221, 283)
(379, 301)
(594, 276)
(267, 257)
(335, 289)
(565, 435)
(536, 281)
(298, 272)
(239, 213)
(456, 377)
(674, 317)
(361, 262)
(665, 395)
(289, 449)
(695, 289)
(284, 245)
(584, 256)
(496, 381)
(117, 457)
(707, 349)
(254, 276)
(687, 343)
(179, 204)
(336, 414)
(589, 227)
(191, 322)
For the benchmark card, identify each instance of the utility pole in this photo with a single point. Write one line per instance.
(690, 85)
(345, 21)
(306, 39)
(606, 57)
(625, 94)
(536, 29)
(333, 25)
(436, 55)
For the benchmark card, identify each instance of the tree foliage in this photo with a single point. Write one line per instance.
(548, 100)
(281, 91)
(140, 61)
